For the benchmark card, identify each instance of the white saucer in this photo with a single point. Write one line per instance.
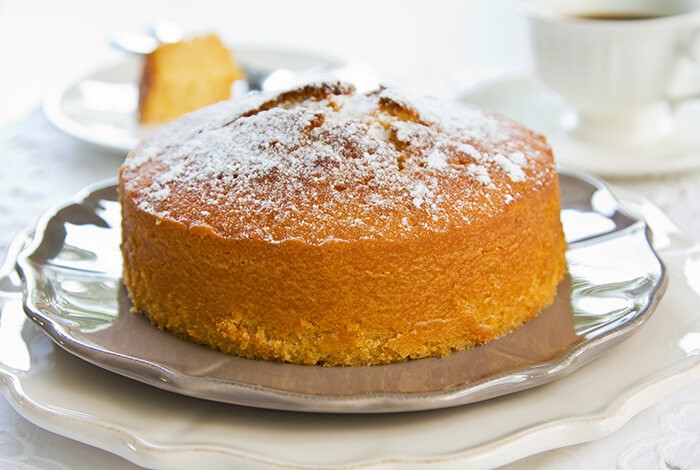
(100, 108)
(524, 99)
(158, 429)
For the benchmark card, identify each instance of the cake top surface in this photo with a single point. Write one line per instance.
(322, 162)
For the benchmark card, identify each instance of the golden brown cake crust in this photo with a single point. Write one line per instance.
(325, 226)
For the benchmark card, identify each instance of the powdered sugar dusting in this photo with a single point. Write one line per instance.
(512, 169)
(420, 194)
(469, 149)
(436, 160)
(322, 163)
(480, 174)
(517, 158)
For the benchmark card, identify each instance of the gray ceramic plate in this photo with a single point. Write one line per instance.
(72, 270)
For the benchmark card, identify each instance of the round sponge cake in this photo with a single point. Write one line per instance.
(325, 226)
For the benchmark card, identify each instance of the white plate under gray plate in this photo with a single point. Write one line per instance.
(526, 100)
(72, 273)
(158, 429)
(101, 107)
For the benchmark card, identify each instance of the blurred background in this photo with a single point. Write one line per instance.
(430, 46)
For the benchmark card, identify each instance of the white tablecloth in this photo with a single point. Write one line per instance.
(422, 45)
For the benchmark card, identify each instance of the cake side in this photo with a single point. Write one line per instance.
(340, 303)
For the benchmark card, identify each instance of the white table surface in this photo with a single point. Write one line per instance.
(427, 46)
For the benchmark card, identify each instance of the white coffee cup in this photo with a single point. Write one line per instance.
(613, 62)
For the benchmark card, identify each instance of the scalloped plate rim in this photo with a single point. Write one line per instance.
(274, 398)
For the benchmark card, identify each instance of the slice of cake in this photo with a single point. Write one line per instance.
(180, 77)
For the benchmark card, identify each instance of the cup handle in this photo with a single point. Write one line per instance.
(692, 45)
(691, 50)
